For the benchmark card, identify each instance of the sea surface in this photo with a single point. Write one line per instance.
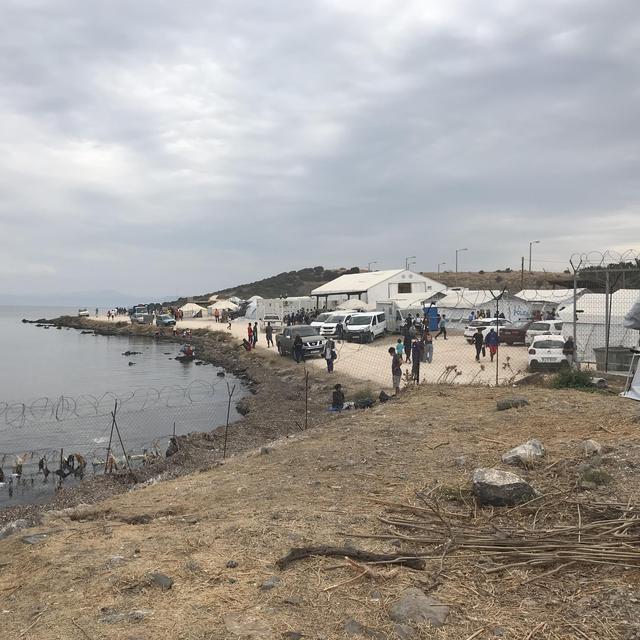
(58, 389)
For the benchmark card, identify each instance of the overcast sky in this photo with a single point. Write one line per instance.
(161, 147)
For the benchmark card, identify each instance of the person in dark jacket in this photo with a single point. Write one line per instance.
(337, 399)
(478, 341)
(298, 353)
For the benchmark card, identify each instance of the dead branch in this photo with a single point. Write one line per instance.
(412, 561)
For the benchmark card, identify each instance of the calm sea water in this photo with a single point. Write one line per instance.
(58, 387)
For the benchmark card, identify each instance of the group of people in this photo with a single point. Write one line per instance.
(303, 316)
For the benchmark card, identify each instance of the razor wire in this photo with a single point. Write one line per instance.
(62, 408)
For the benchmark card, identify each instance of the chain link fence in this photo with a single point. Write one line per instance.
(606, 286)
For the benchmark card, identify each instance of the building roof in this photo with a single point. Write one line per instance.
(557, 296)
(361, 282)
(592, 307)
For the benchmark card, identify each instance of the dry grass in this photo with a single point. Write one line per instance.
(321, 487)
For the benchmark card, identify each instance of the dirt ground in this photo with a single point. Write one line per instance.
(217, 533)
(371, 361)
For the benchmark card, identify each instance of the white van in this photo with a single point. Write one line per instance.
(336, 324)
(366, 327)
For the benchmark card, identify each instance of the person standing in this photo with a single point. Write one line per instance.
(268, 332)
(255, 334)
(216, 314)
(250, 334)
(492, 341)
(329, 354)
(400, 348)
(442, 327)
(298, 352)
(428, 346)
(396, 369)
(407, 346)
(417, 349)
(478, 341)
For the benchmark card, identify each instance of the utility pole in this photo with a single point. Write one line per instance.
(441, 264)
(369, 265)
(522, 274)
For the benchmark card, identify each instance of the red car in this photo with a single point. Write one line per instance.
(514, 333)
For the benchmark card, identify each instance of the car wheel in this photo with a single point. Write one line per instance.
(469, 341)
(533, 365)
(371, 337)
(510, 344)
(564, 365)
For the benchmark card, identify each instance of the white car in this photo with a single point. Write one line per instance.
(486, 324)
(274, 319)
(336, 324)
(547, 351)
(366, 327)
(320, 319)
(83, 313)
(541, 328)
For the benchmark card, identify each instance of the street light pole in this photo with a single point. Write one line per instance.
(406, 261)
(369, 265)
(457, 252)
(531, 245)
(441, 264)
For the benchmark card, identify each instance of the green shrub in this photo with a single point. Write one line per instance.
(571, 379)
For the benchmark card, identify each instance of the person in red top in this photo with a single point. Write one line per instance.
(250, 333)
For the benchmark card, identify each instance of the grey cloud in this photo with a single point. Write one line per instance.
(246, 138)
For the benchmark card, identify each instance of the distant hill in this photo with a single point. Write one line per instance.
(287, 283)
(512, 280)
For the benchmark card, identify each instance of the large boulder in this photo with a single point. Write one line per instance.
(526, 454)
(417, 607)
(501, 488)
(514, 402)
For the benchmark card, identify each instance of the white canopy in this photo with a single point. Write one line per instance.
(356, 305)
(554, 296)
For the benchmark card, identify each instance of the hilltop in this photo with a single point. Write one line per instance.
(512, 280)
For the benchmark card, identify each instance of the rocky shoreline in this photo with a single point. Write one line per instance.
(274, 408)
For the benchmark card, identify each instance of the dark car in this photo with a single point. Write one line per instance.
(312, 343)
(514, 333)
(165, 320)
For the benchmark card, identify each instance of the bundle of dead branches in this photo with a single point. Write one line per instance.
(608, 535)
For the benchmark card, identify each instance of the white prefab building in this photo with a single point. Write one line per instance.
(282, 306)
(457, 305)
(372, 287)
(398, 309)
(543, 300)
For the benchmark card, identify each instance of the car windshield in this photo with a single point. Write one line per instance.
(540, 326)
(304, 331)
(322, 317)
(549, 344)
(360, 320)
(166, 316)
(337, 317)
(519, 325)
(479, 323)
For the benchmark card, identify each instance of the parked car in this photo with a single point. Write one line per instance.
(485, 324)
(514, 333)
(336, 324)
(320, 319)
(312, 343)
(543, 327)
(366, 327)
(83, 313)
(142, 318)
(547, 351)
(274, 319)
(165, 320)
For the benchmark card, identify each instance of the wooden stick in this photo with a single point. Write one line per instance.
(299, 553)
(84, 633)
(33, 624)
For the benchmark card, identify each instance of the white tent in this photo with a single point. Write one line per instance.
(591, 324)
(457, 304)
(355, 305)
(192, 310)
(221, 305)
